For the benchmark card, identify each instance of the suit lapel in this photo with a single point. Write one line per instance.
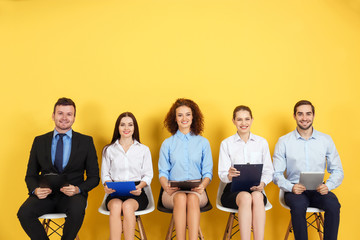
(48, 142)
(74, 147)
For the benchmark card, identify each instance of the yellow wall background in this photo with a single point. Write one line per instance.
(121, 55)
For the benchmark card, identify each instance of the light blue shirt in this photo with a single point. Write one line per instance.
(67, 146)
(296, 154)
(185, 157)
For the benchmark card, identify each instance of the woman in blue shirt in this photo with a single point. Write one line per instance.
(185, 156)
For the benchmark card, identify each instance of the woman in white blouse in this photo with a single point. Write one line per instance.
(126, 159)
(242, 148)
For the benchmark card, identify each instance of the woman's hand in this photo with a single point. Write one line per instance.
(170, 190)
(233, 172)
(136, 192)
(258, 188)
(108, 190)
(200, 189)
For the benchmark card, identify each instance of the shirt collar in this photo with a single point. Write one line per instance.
(135, 142)
(68, 133)
(313, 135)
(183, 136)
(238, 138)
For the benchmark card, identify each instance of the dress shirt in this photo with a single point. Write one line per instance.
(295, 154)
(185, 157)
(67, 146)
(133, 165)
(233, 150)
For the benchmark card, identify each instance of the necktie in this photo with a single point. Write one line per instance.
(59, 153)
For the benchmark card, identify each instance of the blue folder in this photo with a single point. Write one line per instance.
(250, 175)
(122, 188)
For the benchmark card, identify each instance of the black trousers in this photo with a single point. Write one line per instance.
(32, 208)
(298, 204)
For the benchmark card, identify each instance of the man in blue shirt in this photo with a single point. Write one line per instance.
(68, 154)
(307, 150)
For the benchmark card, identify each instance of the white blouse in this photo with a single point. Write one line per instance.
(133, 165)
(234, 150)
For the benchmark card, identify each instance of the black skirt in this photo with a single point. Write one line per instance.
(142, 199)
(228, 198)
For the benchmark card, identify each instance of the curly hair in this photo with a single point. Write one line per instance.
(197, 125)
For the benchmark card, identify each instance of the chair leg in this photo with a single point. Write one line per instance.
(170, 230)
(229, 226)
(288, 230)
(317, 217)
(46, 225)
(201, 236)
(141, 228)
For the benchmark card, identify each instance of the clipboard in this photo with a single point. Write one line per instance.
(122, 188)
(54, 181)
(311, 180)
(250, 175)
(185, 185)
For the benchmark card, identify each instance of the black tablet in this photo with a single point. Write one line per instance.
(185, 185)
(54, 181)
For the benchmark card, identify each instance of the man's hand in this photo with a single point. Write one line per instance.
(322, 189)
(70, 190)
(233, 172)
(258, 188)
(42, 193)
(298, 188)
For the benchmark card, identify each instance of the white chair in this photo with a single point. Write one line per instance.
(316, 214)
(48, 218)
(151, 206)
(232, 213)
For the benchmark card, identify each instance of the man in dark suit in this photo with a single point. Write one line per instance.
(62, 152)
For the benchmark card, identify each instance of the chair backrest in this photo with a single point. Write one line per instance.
(150, 207)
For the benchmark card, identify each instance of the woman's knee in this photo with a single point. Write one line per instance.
(115, 206)
(257, 198)
(243, 198)
(193, 200)
(129, 207)
(180, 199)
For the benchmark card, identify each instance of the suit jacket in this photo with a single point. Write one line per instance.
(82, 159)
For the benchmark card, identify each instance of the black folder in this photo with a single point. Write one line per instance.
(250, 175)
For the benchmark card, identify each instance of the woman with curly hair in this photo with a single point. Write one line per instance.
(185, 156)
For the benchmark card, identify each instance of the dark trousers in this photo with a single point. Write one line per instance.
(298, 204)
(32, 208)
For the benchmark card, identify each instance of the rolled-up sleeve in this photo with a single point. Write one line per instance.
(164, 161)
(224, 163)
(334, 166)
(280, 167)
(147, 168)
(268, 169)
(207, 162)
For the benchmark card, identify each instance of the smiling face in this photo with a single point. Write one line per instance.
(304, 117)
(126, 127)
(242, 122)
(184, 118)
(64, 117)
